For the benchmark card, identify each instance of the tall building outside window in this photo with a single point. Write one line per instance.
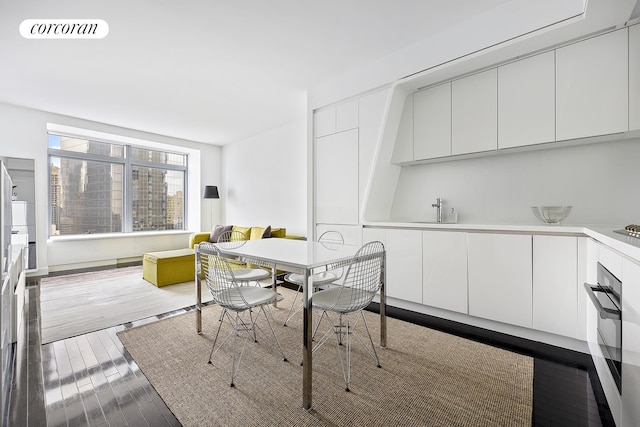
(103, 187)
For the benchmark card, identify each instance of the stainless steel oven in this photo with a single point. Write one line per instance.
(607, 299)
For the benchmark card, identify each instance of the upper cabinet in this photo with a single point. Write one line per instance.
(336, 172)
(634, 77)
(592, 92)
(474, 113)
(432, 122)
(403, 149)
(585, 89)
(526, 101)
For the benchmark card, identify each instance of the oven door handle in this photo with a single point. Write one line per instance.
(604, 312)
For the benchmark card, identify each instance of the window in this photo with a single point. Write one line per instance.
(103, 187)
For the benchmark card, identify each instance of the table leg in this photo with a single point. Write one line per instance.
(307, 340)
(198, 300)
(274, 283)
(383, 311)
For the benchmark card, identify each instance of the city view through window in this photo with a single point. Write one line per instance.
(101, 187)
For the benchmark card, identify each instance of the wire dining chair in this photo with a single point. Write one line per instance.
(331, 240)
(242, 271)
(238, 302)
(362, 281)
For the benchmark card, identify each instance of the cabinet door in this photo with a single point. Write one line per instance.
(347, 116)
(630, 343)
(474, 107)
(500, 277)
(404, 264)
(432, 122)
(444, 270)
(555, 285)
(370, 118)
(634, 77)
(403, 148)
(336, 171)
(526, 101)
(324, 122)
(592, 87)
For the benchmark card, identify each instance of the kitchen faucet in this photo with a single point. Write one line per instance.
(438, 205)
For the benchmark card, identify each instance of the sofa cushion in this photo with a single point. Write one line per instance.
(244, 230)
(260, 233)
(279, 232)
(217, 232)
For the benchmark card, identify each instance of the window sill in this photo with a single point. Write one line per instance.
(137, 234)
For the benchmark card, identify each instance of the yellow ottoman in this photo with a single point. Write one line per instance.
(169, 267)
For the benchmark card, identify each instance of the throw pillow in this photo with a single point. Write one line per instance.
(218, 231)
(266, 234)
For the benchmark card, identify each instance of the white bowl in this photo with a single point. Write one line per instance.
(551, 214)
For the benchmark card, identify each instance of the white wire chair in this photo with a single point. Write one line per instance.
(229, 293)
(331, 240)
(362, 280)
(234, 239)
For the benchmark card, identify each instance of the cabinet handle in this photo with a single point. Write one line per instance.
(604, 312)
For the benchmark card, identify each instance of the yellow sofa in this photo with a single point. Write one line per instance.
(176, 266)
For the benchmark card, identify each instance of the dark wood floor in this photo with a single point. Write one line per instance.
(91, 380)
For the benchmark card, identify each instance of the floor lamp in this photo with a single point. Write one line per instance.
(211, 192)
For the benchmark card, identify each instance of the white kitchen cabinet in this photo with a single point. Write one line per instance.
(347, 116)
(474, 113)
(370, 117)
(352, 234)
(630, 343)
(500, 277)
(403, 148)
(526, 101)
(404, 261)
(432, 122)
(555, 285)
(336, 173)
(592, 87)
(444, 270)
(324, 122)
(634, 77)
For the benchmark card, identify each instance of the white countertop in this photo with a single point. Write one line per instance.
(627, 245)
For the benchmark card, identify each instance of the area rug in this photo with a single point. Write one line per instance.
(79, 303)
(428, 378)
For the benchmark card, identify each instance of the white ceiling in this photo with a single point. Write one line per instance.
(211, 71)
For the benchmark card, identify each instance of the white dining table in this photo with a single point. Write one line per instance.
(302, 257)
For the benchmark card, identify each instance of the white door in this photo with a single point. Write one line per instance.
(336, 171)
(592, 87)
(555, 285)
(474, 117)
(526, 101)
(432, 122)
(500, 272)
(444, 270)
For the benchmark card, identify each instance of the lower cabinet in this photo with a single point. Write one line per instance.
(555, 285)
(404, 261)
(500, 277)
(444, 270)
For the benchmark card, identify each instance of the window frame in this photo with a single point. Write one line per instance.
(128, 164)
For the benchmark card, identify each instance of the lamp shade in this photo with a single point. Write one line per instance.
(211, 192)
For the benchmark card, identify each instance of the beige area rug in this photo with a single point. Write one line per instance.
(79, 303)
(428, 378)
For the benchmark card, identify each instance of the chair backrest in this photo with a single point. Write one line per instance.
(331, 236)
(363, 277)
(219, 276)
(232, 239)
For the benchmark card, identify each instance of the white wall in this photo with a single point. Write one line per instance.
(598, 180)
(24, 135)
(265, 179)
